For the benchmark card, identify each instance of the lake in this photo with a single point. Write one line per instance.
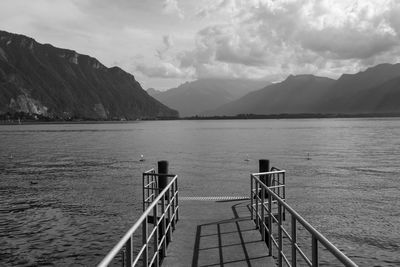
(68, 192)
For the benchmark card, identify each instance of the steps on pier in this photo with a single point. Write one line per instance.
(216, 233)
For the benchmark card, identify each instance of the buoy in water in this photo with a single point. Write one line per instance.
(142, 158)
(247, 159)
(308, 156)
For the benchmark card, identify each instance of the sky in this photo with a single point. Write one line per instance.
(164, 43)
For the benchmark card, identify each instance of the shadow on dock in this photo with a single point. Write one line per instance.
(223, 235)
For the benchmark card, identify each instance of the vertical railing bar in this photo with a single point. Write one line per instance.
(144, 243)
(270, 224)
(156, 236)
(251, 197)
(257, 222)
(262, 214)
(314, 251)
(173, 207)
(154, 185)
(169, 216)
(284, 185)
(280, 234)
(177, 200)
(128, 249)
(123, 258)
(294, 240)
(284, 194)
(277, 181)
(150, 178)
(164, 244)
(144, 192)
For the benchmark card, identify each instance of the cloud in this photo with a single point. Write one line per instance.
(167, 40)
(167, 44)
(237, 38)
(172, 7)
(213, 7)
(163, 70)
(294, 36)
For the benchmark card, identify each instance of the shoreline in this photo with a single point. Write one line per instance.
(236, 117)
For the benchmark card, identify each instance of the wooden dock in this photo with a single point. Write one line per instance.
(216, 233)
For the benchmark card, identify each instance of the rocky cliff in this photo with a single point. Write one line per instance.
(42, 80)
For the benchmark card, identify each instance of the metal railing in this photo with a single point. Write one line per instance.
(156, 223)
(268, 206)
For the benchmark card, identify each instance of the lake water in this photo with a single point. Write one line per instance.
(68, 192)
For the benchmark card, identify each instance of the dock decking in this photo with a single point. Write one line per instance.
(219, 231)
(216, 233)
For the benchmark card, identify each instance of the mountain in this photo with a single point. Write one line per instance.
(384, 98)
(375, 90)
(196, 97)
(153, 92)
(351, 92)
(56, 83)
(297, 94)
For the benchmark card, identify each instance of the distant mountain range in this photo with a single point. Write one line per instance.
(40, 80)
(55, 83)
(199, 96)
(376, 90)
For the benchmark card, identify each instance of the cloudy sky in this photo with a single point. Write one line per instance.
(166, 42)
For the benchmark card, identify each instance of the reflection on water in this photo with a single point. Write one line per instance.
(69, 192)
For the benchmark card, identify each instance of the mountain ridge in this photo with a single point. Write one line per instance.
(196, 97)
(308, 94)
(58, 83)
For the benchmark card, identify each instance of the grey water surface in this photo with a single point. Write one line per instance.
(68, 192)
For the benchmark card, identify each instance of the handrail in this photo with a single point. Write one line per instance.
(276, 171)
(268, 192)
(143, 218)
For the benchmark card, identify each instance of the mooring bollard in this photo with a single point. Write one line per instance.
(264, 167)
(266, 179)
(162, 180)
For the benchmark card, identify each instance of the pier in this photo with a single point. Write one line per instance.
(260, 229)
(216, 233)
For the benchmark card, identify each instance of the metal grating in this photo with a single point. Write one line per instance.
(214, 198)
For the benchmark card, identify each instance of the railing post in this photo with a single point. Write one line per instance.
(269, 240)
(154, 189)
(163, 226)
(169, 216)
(284, 194)
(314, 251)
(145, 257)
(128, 249)
(251, 197)
(156, 236)
(177, 199)
(257, 197)
(144, 192)
(294, 240)
(280, 234)
(173, 207)
(262, 214)
(123, 258)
